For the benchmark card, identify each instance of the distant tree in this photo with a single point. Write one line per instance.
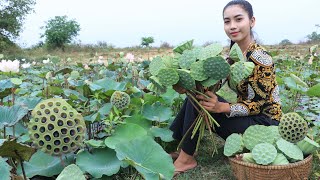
(59, 31)
(146, 41)
(285, 42)
(12, 16)
(314, 36)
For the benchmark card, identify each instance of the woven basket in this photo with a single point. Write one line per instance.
(249, 171)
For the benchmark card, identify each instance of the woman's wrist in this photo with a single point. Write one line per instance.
(224, 108)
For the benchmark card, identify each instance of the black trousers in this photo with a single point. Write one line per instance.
(188, 114)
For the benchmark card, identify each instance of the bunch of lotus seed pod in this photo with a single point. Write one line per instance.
(56, 128)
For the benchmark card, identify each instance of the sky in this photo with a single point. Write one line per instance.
(123, 23)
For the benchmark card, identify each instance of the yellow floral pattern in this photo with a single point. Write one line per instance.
(259, 93)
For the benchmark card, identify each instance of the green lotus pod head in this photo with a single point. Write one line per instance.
(183, 46)
(209, 82)
(275, 131)
(308, 146)
(236, 54)
(216, 67)
(241, 70)
(293, 127)
(56, 128)
(233, 145)
(170, 62)
(247, 157)
(121, 54)
(280, 160)
(210, 51)
(187, 58)
(120, 100)
(289, 149)
(168, 76)
(156, 65)
(257, 134)
(264, 153)
(185, 79)
(197, 72)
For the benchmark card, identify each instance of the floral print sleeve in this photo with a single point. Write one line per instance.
(259, 93)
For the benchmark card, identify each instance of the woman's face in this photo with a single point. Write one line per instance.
(237, 24)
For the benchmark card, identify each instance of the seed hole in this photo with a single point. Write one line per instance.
(64, 108)
(42, 129)
(71, 114)
(56, 150)
(47, 111)
(41, 143)
(77, 138)
(36, 119)
(34, 127)
(72, 144)
(60, 123)
(79, 129)
(52, 118)
(65, 148)
(50, 126)
(77, 121)
(56, 110)
(57, 142)
(64, 131)
(50, 104)
(44, 120)
(72, 132)
(66, 140)
(63, 115)
(49, 147)
(70, 123)
(56, 134)
(39, 113)
(42, 106)
(47, 138)
(36, 136)
(58, 103)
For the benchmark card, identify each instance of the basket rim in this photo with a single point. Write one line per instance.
(306, 160)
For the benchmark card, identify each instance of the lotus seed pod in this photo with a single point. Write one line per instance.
(257, 134)
(264, 153)
(210, 51)
(308, 146)
(293, 127)
(56, 128)
(275, 131)
(187, 58)
(155, 85)
(183, 46)
(236, 54)
(233, 145)
(280, 160)
(241, 70)
(185, 79)
(120, 100)
(209, 82)
(156, 65)
(216, 67)
(121, 54)
(168, 76)
(197, 72)
(170, 62)
(289, 149)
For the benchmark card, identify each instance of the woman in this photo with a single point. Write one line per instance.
(258, 95)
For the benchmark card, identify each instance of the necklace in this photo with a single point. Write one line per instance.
(245, 52)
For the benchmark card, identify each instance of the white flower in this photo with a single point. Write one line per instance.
(129, 57)
(34, 63)
(23, 60)
(85, 66)
(100, 61)
(9, 66)
(100, 57)
(25, 65)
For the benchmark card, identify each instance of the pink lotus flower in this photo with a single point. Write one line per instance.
(129, 57)
(9, 66)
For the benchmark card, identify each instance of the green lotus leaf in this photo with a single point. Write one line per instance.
(124, 133)
(95, 143)
(148, 157)
(5, 169)
(99, 162)
(9, 116)
(164, 133)
(139, 120)
(314, 90)
(71, 172)
(29, 102)
(43, 164)
(156, 112)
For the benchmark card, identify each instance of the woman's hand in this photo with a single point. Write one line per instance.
(212, 104)
(179, 89)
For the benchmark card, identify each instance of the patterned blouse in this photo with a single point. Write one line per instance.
(259, 93)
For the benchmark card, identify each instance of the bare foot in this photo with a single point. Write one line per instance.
(184, 163)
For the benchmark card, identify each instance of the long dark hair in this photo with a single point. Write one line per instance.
(246, 6)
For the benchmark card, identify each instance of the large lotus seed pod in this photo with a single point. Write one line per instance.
(209, 82)
(168, 76)
(264, 153)
(293, 127)
(289, 149)
(241, 70)
(257, 134)
(236, 54)
(280, 160)
(187, 58)
(275, 132)
(183, 46)
(185, 79)
(120, 99)
(155, 65)
(216, 67)
(308, 146)
(209, 51)
(233, 145)
(197, 72)
(170, 62)
(56, 128)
